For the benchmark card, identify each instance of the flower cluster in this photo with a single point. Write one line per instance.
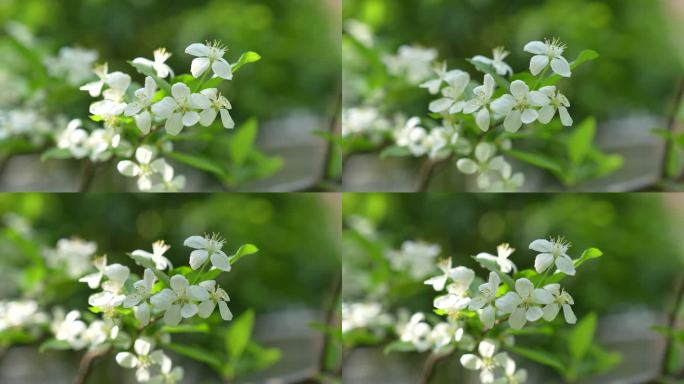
(417, 258)
(494, 103)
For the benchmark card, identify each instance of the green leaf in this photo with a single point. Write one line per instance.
(246, 58)
(186, 328)
(588, 254)
(582, 336)
(54, 344)
(399, 346)
(395, 151)
(239, 334)
(198, 354)
(247, 249)
(198, 162)
(242, 142)
(149, 71)
(537, 160)
(583, 57)
(56, 153)
(541, 357)
(580, 141)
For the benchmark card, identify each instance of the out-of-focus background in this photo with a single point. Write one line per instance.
(287, 283)
(629, 89)
(292, 91)
(630, 288)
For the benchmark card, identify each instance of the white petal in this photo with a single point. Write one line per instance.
(180, 92)
(518, 318)
(198, 293)
(529, 115)
(519, 89)
(566, 120)
(471, 106)
(199, 101)
(488, 316)
(541, 245)
(546, 114)
(142, 347)
(508, 302)
(220, 261)
(524, 287)
(503, 105)
(538, 99)
(142, 374)
(165, 107)
(196, 242)
(486, 348)
(542, 262)
(484, 151)
(128, 168)
(561, 66)
(227, 121)
(542, 296)
(222, 69)
(197, 49)
(569, 314)
(189, 310)
(565, 265)
(534, 313)
(198, 257)
(126, 359)
(226, 314)
(144, 122)
(207, 117)
(142, 313)
(190, 118)
(467, 166)
(174, 124)
(538, 63)
(163, 299)
(199, 66)
(551, 311)
(536, 47)
(144, 154)
(470, 361)
(482, 119)
(440, 105)
(513, 121)
(206, 308)
(173, 315)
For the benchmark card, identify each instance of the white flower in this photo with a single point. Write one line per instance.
(180, 110)
(167, 373)
(439, 282)
(68, 328)
(209, 55)
(561, 298)
(207, 247)
(456, 298)
(216, 296)
(412, 62)
(144, 169)
(443, 334)
(411, 136)
(545, 52)
(480, 102)
(415, 257)
(485, 164)
(142, 361)
(93, 280)
(523, 304)
(487, 362)
(451, 101)
(157, 255)
(72, 254)
(102, 142)
(20, 314)
(219, 104)
(363, 119)
(113, 289)
(98, 332)
(511, 376)
(417, 332)
(179, 301)
(113, 103)
(74, 64)
(509, 182)
(553, 251)
(140, 108)
(499, 54)
(364, 315)
(443, 76)
(559, 102)
(518, 107)
(95, 88)
(158, 64)
(169, 182)
(503, 251)
(138, 299)
(485, 301)
(74, 138)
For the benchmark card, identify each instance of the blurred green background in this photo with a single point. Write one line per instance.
(637, 40)
(297, 40)
(638, 234)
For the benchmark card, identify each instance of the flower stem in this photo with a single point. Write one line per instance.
(201, 272)
(201, 81)
(86, 364)
(429, 367)
(87, 176)
(541, 76)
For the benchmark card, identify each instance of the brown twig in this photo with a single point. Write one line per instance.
(430, 365)
(87, 176)
(86, 364)
(672, 321)
(427, 171)
(4, 162)
(671, 126)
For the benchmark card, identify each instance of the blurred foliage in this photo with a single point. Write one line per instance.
(636, 71)
(642, 254)
(120, 223)
(297, 40)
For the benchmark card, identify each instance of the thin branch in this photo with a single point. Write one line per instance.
(334, 128)
(672, 321)
(331, 321)
(671, 126)
(4, 162)
(430, 366)
(427, 171)
(86, 364)
(87, 176)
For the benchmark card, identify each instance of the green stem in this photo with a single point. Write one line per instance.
(201, 82)
(201, 272)
(541, 76)
(544, 276)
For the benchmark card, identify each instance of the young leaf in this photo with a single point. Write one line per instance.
(588, 254)
(535, 159)
(246, 58)
(582, 336)
(238, 335)
(54, 344)
(394, 151)
(541, 357)
(55, 153)
(399, 346)
(199, 354)
(247, 249)
(580, 141)
(198, 162)
(242, 142)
